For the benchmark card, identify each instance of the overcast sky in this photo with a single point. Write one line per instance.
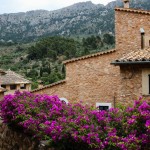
(11, 6)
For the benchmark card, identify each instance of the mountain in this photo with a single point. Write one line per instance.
(84, 18)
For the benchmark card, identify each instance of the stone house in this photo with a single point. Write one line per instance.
(115, 76)
(11, 81)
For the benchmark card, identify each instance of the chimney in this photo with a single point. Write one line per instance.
(126, 3)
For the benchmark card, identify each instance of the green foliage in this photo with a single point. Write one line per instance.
(32, 73)
(43, 60)
(77, 126)
(92, 42)
(52, 47)
(34, 85)
(108, 39)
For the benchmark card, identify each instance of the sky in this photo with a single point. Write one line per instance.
(13, 6)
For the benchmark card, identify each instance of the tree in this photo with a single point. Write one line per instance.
(108, 39)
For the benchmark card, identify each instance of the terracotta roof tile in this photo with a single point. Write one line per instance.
(89, 56)
(12, 78)
(133, 10)
(135, 56)
(48, 86)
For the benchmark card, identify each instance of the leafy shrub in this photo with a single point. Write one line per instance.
(76, 126)
(34, 85)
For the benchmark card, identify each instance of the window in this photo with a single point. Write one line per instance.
(3, 86)
(103, 106)
(146, 81)
(64, 100)
(13, 87)
(142, 37)
(23, 86)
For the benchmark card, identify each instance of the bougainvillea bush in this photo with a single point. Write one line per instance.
(78, 127)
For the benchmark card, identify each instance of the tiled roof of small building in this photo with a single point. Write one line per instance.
(12, 78)
(133, 10)
(89, 56)
(48, 86)
(140, 56)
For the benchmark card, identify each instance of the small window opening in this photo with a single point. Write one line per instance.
(142, 37)
(103, 107)
(149, 42)
(23, 86)
(142, 40)
(64, 100)
(13, 86)
(3, 86)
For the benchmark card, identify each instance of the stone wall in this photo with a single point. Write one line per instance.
(11, 140)
(89, 80)
(130, 88)
(93, 79)
(60, 90)
(131, 84)
(127, 29)
(18, 87)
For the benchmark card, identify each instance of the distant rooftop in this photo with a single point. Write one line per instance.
(12, 78)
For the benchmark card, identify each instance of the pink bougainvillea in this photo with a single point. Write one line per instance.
(77, 126)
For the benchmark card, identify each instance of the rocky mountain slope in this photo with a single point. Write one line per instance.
(83, 18)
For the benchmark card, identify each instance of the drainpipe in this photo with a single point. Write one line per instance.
(114, 100)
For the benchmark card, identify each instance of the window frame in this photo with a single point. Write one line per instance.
(64, 100)
(13, 88)
(109, 105)
(23, 86)
(3, 86)
(146, 81)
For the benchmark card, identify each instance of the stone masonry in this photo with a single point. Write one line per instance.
(93, 79)
(11, 140)
(127, 28)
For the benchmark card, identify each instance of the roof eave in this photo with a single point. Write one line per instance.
(16, 83)
(89, 56)
(49, 86)
(129, 63)
(132, 10)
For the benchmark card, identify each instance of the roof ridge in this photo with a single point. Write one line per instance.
(89, 56)
(18, 75)
(13, 78)
(133, 10)
(50, 85)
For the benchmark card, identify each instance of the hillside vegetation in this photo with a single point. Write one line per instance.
(42, 61)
